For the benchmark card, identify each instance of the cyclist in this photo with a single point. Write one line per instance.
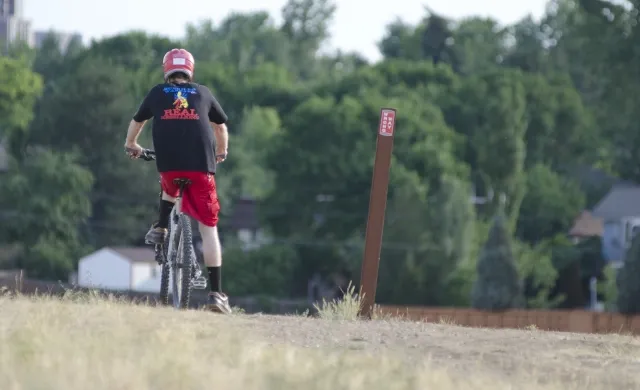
(188, 123)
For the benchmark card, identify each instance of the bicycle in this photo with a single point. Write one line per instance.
(177, 247)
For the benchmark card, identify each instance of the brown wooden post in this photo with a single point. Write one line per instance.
(377, 207)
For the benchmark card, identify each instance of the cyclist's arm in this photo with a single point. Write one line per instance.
(141, 117)
(218, 119)
(133, 132)
(222, 136)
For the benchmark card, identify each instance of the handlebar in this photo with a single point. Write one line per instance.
(146, 155)
(150, 155)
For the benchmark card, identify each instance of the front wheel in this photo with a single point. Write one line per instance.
(186, 265)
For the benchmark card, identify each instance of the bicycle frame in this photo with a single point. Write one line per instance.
(176, 213)
(197, 281)
(173, 259)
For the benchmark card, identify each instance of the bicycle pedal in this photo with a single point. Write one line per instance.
(199, 283)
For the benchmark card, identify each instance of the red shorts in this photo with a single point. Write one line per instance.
(200, 199)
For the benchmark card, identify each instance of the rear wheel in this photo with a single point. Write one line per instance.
(161, 258)
(164, 276)
(164, 284)
(181, 264)
(175, 260)
(186, 265)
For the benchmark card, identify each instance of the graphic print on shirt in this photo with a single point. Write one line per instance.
(180, 110)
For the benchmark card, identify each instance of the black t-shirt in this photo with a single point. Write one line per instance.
(182, 134)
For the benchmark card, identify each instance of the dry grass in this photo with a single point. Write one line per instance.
(88, 342)
(347, 308)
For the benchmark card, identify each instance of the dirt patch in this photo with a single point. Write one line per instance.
(579, 360)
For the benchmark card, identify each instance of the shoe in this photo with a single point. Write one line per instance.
(219, 303)
(155, 235)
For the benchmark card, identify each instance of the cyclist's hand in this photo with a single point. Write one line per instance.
(221, 155)
(133, 150)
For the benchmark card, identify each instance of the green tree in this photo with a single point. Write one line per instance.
(536, 268)
(306, 23)
(88, 112)
(560, 131)
(131, 50)
(265, 271)
(490, 111)
(478, 44)
(50, 60)
(629, 280)
(498, 285)
(551, 204)
(437, 42)
(19, 90)
(45, 198)
(400, 41)
(428, 234)
(609, 289)
(241, 41)
(527, 52)
(260, 126)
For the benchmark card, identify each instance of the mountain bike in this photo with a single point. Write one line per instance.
(180, 267)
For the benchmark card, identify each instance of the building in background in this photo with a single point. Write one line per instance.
(15, 28)
(120, 269)
(11, 7)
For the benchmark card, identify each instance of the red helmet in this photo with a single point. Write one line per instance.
(178, 60)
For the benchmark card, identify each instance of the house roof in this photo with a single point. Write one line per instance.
(586, 225)
(623, 200)
(135, 254)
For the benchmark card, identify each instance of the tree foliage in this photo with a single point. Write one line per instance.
(487, 114)
(498, 285)
(629, 280)
(46, 196)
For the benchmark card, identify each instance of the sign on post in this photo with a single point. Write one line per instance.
(377, 207)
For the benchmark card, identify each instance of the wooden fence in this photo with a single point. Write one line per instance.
(579, 321)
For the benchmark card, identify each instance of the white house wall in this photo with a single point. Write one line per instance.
(144, 280)
(104, 269)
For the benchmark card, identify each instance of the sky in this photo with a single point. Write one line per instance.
(357, 26)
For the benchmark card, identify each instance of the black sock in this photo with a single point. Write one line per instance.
(165, 210)
(215, 278)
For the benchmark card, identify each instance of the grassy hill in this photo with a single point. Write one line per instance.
(85, 342)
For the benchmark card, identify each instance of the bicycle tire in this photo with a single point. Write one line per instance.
(175, 259)
(161, 258)
(187, 260)
(164, 284)
(165, 275)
